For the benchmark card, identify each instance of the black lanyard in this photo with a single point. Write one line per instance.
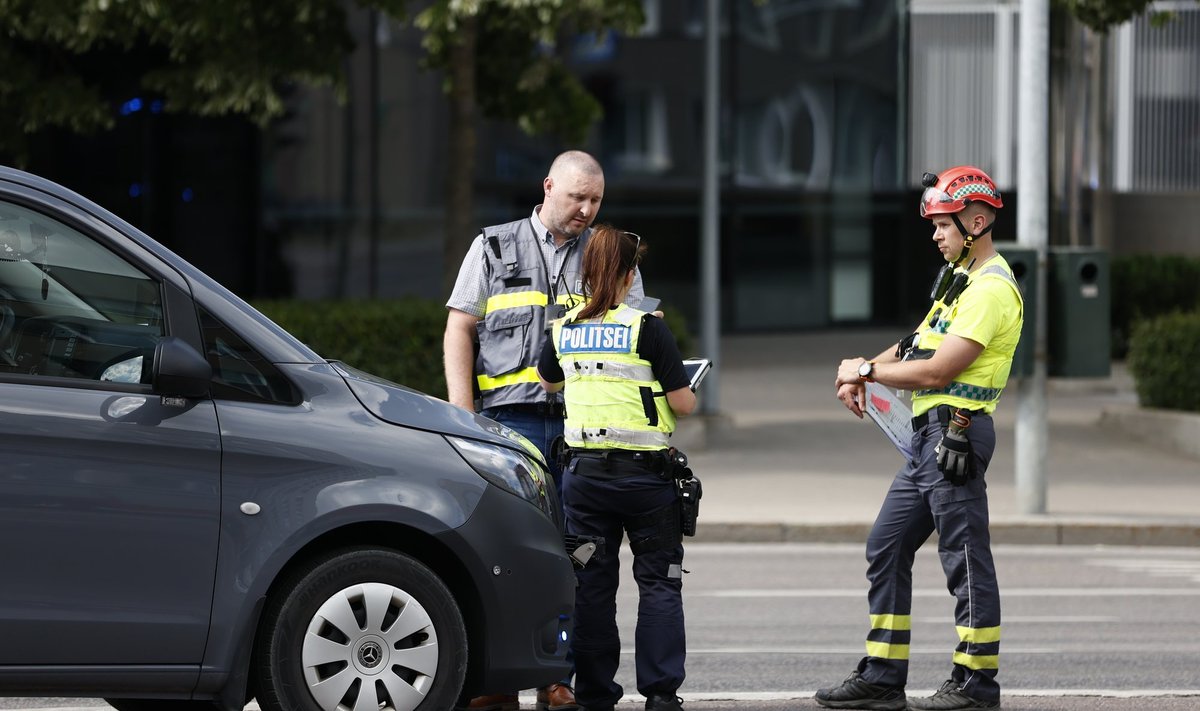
(553, 285)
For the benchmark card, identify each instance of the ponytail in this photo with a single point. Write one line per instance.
(609, 256)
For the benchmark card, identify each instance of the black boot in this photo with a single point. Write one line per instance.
(854, 693)
(664, 702)
(951, 698)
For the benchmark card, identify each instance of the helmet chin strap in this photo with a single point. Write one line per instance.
(968, 239)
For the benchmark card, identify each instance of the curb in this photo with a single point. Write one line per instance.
(1050, 531)
(1180, 431)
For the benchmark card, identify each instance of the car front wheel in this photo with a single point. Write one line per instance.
(362, 629)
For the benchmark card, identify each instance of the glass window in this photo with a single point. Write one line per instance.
(70, 307)
(239, 372)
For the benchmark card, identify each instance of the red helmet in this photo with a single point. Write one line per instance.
(950, 192)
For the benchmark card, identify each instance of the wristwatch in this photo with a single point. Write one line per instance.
(866, 369)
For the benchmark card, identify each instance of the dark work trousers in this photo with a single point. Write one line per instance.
(919, 502)
(598, 506)
(541, 430)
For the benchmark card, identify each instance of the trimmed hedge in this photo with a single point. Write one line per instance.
(1163, 354)
(399, 340)
(1145, 286)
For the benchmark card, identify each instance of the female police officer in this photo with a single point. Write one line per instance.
(624, 386)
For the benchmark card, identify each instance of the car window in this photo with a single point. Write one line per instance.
(239, 372)
(69, 306)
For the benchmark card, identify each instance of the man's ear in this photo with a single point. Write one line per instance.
(547, 185)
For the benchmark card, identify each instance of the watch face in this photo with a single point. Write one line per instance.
(864, 370)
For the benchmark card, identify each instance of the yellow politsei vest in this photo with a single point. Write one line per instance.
(612, 397)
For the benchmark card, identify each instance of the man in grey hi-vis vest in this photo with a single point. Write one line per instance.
(516, 278)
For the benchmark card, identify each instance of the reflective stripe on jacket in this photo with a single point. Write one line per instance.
(613, 399)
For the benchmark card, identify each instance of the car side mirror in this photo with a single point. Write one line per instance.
(179, 370)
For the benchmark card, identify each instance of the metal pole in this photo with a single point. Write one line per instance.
(373, 154)
(710, 304)
(1032, 231)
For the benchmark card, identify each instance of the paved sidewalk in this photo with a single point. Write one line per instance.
(784, 461)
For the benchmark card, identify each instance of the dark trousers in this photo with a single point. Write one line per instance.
(598, 506)
(919, 502)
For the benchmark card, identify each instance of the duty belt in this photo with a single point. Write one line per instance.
(653, 462)
(939, 414)
(545, 409)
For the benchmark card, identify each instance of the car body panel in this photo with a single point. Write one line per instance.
(108, 513)
(154, 530)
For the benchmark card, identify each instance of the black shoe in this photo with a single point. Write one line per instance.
(951, 698)
(664, 702)
(854, 693)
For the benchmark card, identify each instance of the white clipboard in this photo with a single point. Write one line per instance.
(893, 416)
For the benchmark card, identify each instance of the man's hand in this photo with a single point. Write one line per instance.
(848, 372)
(853, 396)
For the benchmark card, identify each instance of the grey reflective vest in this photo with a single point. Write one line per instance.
(514, 323)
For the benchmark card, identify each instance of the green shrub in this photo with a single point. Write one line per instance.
(676, 321)
(399, 340)
(1145, 286)
(1163, 354)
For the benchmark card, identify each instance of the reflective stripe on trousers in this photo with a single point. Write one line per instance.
(918, 503)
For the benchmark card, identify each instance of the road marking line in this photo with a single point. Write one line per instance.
(638, 699)
(1034, 619)
(941, 592)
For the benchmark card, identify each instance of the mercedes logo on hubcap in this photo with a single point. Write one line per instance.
(370, 654)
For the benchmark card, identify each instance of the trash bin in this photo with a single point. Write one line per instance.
(1078, 321)
(1023, 261)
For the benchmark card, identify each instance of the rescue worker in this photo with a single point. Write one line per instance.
(512, 277)
(957, 364)
(624, 385)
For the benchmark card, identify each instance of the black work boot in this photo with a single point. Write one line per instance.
(950, 698)
(664, 702)
(854, 693)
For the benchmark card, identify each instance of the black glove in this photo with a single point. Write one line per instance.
(954, 458)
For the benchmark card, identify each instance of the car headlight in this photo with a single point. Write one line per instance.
(516, 473)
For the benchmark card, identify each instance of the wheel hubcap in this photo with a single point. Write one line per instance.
(370, 646)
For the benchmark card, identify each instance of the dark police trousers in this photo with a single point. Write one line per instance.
(919, 502)
(601, 499)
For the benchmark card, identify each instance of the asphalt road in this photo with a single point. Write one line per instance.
(1084, 627)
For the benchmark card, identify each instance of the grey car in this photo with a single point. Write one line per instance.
(196, 509)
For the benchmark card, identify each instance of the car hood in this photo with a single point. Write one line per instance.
(406, 407)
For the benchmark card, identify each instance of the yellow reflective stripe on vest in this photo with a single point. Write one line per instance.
(972, 661)
(980, 635)
(883, 650)
(525, 375)
(891, 622)
(513, 299)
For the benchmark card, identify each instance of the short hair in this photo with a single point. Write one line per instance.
(576, 160)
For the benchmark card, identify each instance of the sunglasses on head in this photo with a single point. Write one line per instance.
(637, 248)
